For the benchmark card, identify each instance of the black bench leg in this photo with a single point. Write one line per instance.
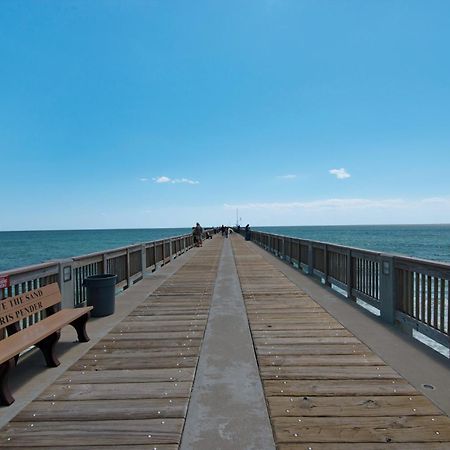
(6, 397)
(80, 327)
(47, 346)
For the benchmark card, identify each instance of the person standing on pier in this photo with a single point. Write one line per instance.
(248, 233)
(198, 232)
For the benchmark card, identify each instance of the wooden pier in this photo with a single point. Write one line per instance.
(323, 387)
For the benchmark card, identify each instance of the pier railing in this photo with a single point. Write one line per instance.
(410, 293)
(128, 263)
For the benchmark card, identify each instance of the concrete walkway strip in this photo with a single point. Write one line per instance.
(227, 410)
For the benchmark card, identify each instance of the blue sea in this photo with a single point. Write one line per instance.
(22, 248)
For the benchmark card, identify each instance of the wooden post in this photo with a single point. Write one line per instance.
(128, 268)
(65, 281)
(143, 259)
(325, 263)
(105, 263)
(349, 274)
(310, 258)
(387, 289)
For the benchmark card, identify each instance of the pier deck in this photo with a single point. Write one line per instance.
(142, 384)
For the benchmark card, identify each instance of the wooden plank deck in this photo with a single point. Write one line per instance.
(324, 388)
(132, 388)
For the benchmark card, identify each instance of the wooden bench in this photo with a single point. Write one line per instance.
(43, 334)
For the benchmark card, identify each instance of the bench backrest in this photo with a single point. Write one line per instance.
(14, 309)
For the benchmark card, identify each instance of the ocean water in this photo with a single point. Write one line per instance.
(24, 248)
(420, 241)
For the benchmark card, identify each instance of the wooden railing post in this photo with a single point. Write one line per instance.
(310, 258)
(387, 289)
(65, 281)
(349, 274)
(171, 257)
(143, 259)
(325, 263)
(105, 263)
(128, 269)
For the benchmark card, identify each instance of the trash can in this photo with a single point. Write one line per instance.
(101, 294)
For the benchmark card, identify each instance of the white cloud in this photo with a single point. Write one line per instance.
(287, 177)
(332, 203)
(164, 179)
(185, 180)
(340, 174)
(143, 179)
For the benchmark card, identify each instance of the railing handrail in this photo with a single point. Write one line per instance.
(30, 268)
(440, 264)
(126, 247)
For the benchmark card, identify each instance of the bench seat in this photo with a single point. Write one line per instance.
(44, 334)
(18, 342)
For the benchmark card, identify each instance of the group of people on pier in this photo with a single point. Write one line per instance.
(198, 233)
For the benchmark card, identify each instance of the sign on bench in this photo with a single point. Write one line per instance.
(44, 334)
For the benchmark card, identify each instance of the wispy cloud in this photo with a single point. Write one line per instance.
(164, 179)
(143, 179)
(332, 203)
(340, 174)
(344, 204)
(287, 177)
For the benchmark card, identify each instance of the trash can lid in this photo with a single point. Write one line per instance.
(102, 276)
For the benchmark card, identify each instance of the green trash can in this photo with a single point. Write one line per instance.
(101, 294)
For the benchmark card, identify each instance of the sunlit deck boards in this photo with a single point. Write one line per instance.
(131, 390)
(324, 388)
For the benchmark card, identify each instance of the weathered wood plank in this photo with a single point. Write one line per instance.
(139, 335)
(159, 446)
(337, 387)
(103, 410)
(365, 446)
(362, 429)
(321, 360)
(301, 333)
(307, 340)
(336, 406)
(118, 391)
(295, 326)
(126, 376)
(110, 344)
(90, 433)
(313, 349)
(330, 373)
(135, 364)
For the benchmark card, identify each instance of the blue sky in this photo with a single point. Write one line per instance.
(148, 113)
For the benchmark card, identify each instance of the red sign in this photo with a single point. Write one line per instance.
(4, 282)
